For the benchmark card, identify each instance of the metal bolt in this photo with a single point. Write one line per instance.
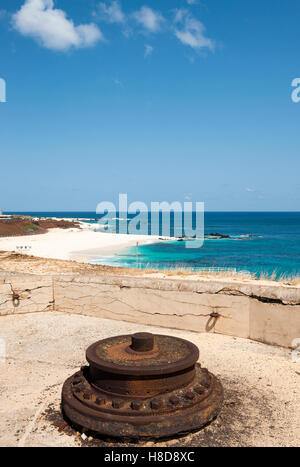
(79, 387)
(190, 395)
(156, 404)
(142, 342)
(118, 404)
(100, 401)
(215, 315)
(199, 389)
(136, 405)
(15, 299)
(205, 380)
(77, 381)
(174, 400)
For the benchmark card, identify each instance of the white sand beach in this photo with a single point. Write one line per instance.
(73, 244)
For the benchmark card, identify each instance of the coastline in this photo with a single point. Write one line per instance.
(71, 244)
(83, 242)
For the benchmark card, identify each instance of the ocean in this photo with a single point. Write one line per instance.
(274, 248)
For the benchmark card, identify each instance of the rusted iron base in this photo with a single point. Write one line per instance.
(182, 410)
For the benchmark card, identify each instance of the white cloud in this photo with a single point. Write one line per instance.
(148, 50)
(192, 31)
(113, 12)
(192, 2)
(118, 83)
(180, 14)
(151, 20)
(51, 27)
(250, 190)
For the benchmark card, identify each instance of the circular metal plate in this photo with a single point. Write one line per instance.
(169, 355)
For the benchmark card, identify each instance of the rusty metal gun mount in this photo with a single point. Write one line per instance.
(142, 385)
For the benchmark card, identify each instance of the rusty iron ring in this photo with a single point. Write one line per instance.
(132, 370)
(155, 424)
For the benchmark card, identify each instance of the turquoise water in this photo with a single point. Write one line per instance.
(276, 249)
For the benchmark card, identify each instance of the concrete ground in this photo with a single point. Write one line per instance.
(261, 383)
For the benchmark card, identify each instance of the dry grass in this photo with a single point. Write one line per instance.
(267, 277)
(287, 279)
(184, 272)
(16, 262)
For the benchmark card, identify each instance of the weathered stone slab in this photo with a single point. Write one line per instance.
(234, 317)
(24, 293)
(179, 304)
(6, 305)
(274, 324)
(273, 292)
(269, 314)
(181, 310)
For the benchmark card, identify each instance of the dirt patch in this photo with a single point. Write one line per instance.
(16, 262)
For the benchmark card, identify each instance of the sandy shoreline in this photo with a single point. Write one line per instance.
(73, 244)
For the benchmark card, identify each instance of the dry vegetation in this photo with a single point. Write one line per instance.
(17, 225)
(18, 263)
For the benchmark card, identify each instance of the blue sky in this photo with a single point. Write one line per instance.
(163, 100)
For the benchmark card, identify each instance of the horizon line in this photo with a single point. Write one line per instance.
(85, 211)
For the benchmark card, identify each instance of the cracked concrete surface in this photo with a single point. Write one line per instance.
(267, 313)
(261, 383)
(25, 294)
(184, 304)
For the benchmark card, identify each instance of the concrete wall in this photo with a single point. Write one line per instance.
(266, 313)
(25, 293)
